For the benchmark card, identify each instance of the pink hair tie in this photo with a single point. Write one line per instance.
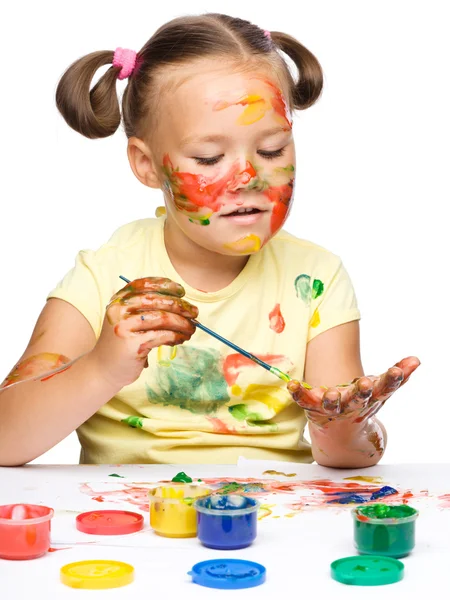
(267, 34)
(126, 60)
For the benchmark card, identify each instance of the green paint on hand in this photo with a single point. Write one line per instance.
(193, 381)
(133, 422)
(181, 477)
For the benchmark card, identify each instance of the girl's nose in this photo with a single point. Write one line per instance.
(244, 175)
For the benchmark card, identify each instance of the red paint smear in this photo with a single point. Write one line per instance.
(197, 191)
(281, 197)
(234, 363)
(99, 499)
(323, 492)
(278, 103)
(53, 374)
(445, 498)
(58, 549)
(220, 426)
(276, 319)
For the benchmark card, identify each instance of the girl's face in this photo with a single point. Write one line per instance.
(227, 159)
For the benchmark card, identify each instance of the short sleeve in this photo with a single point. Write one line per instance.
(333, 302)
(82, 286)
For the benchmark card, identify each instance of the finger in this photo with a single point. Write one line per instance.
(155, 320)
(145, 302)
(387, 384)
(408, 366)
(358, 395)
(154, 339)
(157, 285)
(331, 401)
(305, 398)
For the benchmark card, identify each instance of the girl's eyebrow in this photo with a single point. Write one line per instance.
(220, 138)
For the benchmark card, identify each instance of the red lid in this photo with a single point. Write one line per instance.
(109, 522)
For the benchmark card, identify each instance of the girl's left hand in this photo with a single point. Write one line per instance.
(356, 401)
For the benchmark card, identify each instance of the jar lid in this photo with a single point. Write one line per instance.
(97, 574)
(109, 522)
(228, 573)
(367, 570)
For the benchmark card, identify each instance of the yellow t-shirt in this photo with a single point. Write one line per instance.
(202, 402)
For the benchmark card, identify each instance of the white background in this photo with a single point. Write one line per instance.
(372, 175)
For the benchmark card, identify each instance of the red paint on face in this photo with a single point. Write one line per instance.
(278, 103)
(195, 191)
(234, 363)
(281, 197)
(276, 319)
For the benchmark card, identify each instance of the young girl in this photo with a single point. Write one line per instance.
(208, 116)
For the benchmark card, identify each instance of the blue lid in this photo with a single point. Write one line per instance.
(228, 573)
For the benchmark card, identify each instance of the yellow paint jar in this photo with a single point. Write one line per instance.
(171, 508)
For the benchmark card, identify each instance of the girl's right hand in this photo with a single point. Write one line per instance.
(145, 314)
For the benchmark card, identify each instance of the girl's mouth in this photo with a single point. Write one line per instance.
(244, 216)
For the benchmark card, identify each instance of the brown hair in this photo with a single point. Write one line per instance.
(95, 113)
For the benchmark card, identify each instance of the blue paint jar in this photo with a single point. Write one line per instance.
(226, 522)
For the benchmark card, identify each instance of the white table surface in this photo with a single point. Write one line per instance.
(296, 551)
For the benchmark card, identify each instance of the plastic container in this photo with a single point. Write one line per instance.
(24, 531)
(171, 509)
(385, 530)
(228, 574)
(226, 522)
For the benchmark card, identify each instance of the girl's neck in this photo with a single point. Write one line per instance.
(198, 267)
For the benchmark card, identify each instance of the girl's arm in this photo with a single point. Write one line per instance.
(333, 358)
(36, 415)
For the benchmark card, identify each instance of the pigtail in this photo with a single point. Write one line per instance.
(93, 113)
(310, 77)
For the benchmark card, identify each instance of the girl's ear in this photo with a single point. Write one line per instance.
(142, 163)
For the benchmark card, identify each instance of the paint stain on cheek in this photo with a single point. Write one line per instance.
(276, 320)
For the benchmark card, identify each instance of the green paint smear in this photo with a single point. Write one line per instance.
(193, 381)
(133, 422)
(115, 475)
(384, 511)
(182, 477)
(317, 288)
(241, 413)
(303, 288)
(305, 291)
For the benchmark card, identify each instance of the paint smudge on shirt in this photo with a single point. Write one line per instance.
(242, 412)
(235, 364)
(135, 422)
(305, 290)
(192, 381)
(276, 320)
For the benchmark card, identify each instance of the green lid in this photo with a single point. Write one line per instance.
(367, 570)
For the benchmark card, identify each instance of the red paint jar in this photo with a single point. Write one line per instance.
(24, 531)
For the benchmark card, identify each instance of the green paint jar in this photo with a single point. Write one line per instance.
(385, 530)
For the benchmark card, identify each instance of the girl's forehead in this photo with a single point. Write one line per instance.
(222, 98)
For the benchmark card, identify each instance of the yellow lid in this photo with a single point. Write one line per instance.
(97, 574)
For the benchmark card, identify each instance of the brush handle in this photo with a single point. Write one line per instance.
(252, 357)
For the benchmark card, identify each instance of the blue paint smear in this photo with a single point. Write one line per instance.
(384, 491)
(346, 498)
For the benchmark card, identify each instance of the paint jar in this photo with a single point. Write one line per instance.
(226, 522)
(171, 508)
(24, 531)
(385, 530)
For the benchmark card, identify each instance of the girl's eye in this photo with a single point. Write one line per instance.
(207, 160)
(271, 155)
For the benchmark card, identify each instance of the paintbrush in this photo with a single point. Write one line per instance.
(255, 359)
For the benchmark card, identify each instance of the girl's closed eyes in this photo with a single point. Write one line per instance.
(213, 160)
